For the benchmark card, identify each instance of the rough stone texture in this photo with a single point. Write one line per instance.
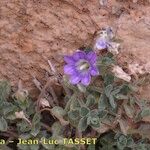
(33, 31)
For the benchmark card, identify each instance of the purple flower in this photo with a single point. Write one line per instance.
(101, 43)
(80, 67)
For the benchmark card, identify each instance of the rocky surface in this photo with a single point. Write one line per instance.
(33, 31)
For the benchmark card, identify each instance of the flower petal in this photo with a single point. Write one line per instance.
(86, 79)
(79, 55)
(101, 44)
(69, 69)
(94, 71)
(69, 59)
(74, 79)
(91, 56)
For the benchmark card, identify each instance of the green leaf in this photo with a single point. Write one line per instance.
(102, 114)
(102, 104)
(108, 79)
(23, 104)
(23, 126)
(94, 121)
(4, 147)
(74, 103)
(90, 100)
(34, 146)
(107, 142)
(56, 129)
(94, 89)
(23, 147)
(84, 111)
(3, 124)
(91, 147)
(82, 124)
(59, 111)
(108, 90)
(93, 118)
(36, 119)
(129, 111)
(35, 129)
(73, 114)
(107, 61)
(94, 113)
(8, 108)
(145, 112)
(4, 90)
(132, 88)
(121, 142)
(130, 142)
(125, 89)
(142, 146)
(48, 146)
(116, 90)
(25, 136)
(112, 101)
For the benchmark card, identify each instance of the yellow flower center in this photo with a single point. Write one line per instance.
(83, 65)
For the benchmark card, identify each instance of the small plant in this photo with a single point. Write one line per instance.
(97, 100)
(81, 66)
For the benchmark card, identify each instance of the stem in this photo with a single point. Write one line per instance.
(46, 126)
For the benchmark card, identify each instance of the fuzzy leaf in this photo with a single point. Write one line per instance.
(3, 124)
(102, 129)
(34, 147)
(129, 111)
(145, 114)
(108, 79)
(23, 147)
(23, 126)
(108, 90)
(107, 61)
(8, 108)
(112, 101)
(121, 142)
(116, 90)
(91, 147)
(35, 129)
(23, 104)
(82, 124)
(94, 121)
(59, 111)
(73, 114)
(90, 101)
(4, 147)
(36, 119)
(25, 136)
(4, 90)
(130, 142)
(48, 146)
(74, 103)
(102, 114)
(84, 111)
(102, 104)
(56, 128)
